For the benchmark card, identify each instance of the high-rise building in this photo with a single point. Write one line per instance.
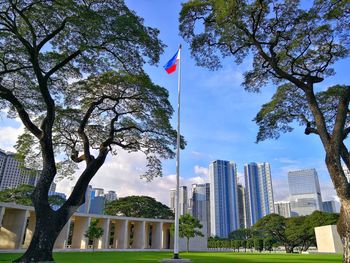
(223, 198)
(283, 209)
(13, 174)
(304, 192)
(258, 192)
(111, 196)
(241, 206)
(183, 203)
(200, 204)
(329, 206)
(85, 208)
(98, 192)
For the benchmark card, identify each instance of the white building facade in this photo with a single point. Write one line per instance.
(183, 201)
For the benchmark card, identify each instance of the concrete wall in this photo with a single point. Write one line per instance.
(328, 239)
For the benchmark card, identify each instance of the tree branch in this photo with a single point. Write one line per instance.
(22, 113)
(52, 34)
(61, 64)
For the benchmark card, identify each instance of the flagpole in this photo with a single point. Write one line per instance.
(176, 232)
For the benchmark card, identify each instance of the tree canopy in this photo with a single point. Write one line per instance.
(71, 71)
(295, 231)
(22, 196)
(139, 206)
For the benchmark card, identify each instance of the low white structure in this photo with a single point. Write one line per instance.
(328, 239)
(17, 225)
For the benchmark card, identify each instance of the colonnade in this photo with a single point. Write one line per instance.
(17, 224)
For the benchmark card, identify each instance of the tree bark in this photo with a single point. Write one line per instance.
(47, 228)
(344, 229)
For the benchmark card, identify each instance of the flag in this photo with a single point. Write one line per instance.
(170, 67)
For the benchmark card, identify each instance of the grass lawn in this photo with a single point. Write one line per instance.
(200, 257)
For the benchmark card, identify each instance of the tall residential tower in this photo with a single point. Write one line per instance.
(259, 193)
(223, 198)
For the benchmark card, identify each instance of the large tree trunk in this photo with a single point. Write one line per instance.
(47, 228)
(344, 229)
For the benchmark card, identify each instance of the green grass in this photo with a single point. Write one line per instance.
(203, 257)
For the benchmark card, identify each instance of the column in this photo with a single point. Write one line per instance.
(79, 240)
(13, 227)
(62, 239)
(139, 235)
(157, 235)
(2, 212)
(30, 229)
(121, 234)
(102, 243)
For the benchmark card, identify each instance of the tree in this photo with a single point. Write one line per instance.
(258, 244)
(268, 244)
(250, 244)
(237, 244)
(274, 226)
(138, 206)
(189, 227)
(241, 234)
(244, 245)
(72, 72)
(22, 196)
(94, 232)
(297, 229)
(292, 47)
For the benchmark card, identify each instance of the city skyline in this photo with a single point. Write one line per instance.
(217, 124)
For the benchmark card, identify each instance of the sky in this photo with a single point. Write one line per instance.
(216, 121)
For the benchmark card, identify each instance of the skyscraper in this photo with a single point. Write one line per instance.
(304, 192)
(259, 193)
(111, 196)
(183, 203)
(241, 206)
(283, 209)
(13, 174)
(200, 204)
(223, 198)
(329, 206)
(85, 208)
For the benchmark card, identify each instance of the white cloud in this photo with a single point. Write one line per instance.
(201, 170)
(121, 173)
(8, 137)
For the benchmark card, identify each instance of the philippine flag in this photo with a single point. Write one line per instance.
(170, 67)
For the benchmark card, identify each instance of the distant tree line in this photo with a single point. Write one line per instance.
(274, 231)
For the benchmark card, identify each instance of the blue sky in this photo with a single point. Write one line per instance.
(216, 120)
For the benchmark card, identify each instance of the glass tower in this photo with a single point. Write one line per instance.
(200, 204)
(259, 193)
(223, 198)
(304, 192)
